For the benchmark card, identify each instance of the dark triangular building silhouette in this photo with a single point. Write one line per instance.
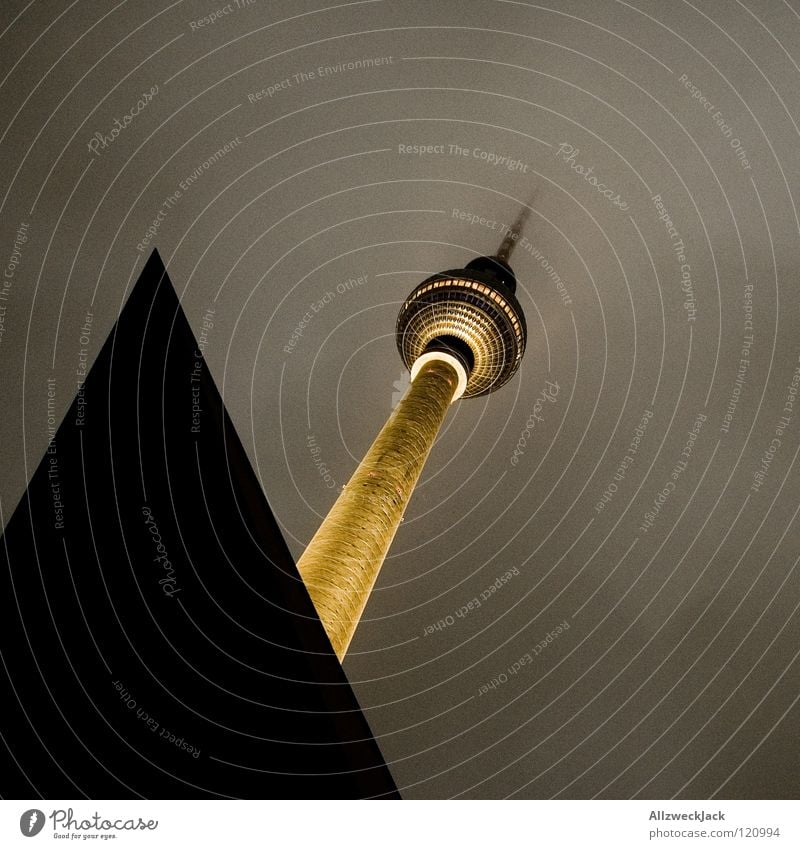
(156, 639)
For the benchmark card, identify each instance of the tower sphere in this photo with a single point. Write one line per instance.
(471, 313)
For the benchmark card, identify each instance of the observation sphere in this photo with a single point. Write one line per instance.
(472, 313)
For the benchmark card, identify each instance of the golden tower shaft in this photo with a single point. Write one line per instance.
(343, 559)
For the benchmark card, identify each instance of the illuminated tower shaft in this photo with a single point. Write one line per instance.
(343, 559)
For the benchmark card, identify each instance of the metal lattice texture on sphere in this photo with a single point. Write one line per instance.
(476, 307)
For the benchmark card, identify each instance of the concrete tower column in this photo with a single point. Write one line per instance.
(343, 559)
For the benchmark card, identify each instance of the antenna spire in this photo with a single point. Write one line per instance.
(512, 236)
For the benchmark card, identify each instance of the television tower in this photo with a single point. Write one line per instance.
(462, 334)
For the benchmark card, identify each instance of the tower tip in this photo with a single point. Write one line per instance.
(512, 236)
